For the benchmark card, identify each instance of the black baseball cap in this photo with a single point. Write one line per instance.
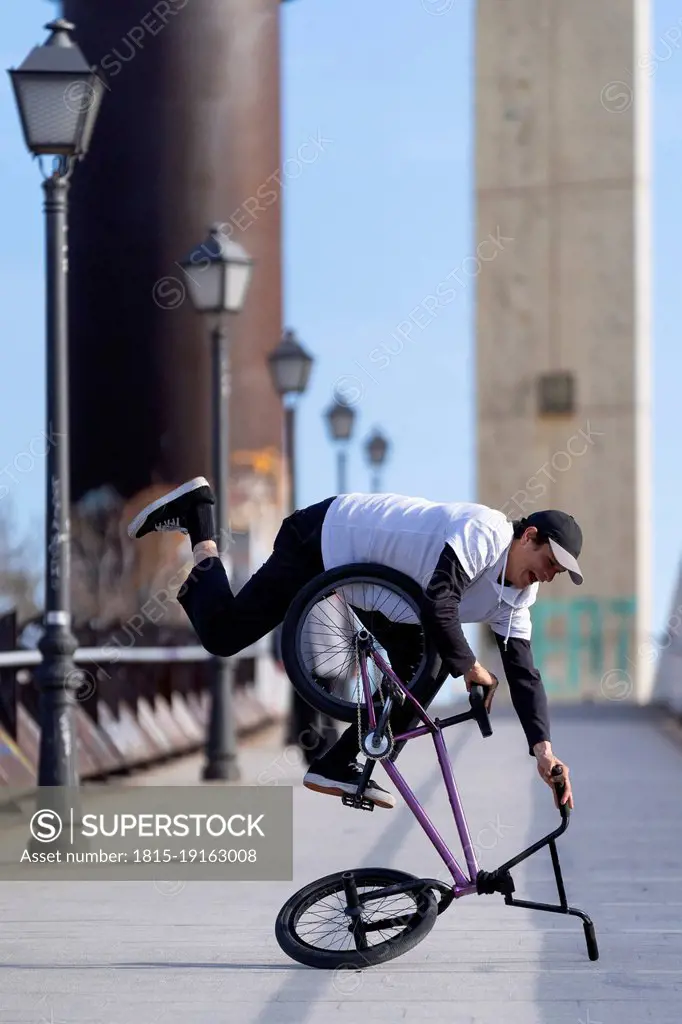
(565, 538)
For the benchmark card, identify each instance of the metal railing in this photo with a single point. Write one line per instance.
(134, 706)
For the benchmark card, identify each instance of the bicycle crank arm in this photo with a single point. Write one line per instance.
(383, 721)
(376, 744)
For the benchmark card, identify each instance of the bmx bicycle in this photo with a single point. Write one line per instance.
(337, 644)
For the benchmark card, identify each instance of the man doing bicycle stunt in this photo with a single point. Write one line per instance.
(472, 564)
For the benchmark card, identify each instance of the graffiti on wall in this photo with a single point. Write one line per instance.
(577, 640)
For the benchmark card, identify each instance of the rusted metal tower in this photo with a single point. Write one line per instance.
(189, 133)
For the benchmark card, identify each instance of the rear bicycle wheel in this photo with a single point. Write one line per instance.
(320, 633)
(314, 928)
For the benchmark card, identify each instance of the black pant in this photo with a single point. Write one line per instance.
(226, 623)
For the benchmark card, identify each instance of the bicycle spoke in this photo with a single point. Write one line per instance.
(327, 642)
(325, 924)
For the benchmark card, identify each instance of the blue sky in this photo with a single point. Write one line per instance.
(382, 214)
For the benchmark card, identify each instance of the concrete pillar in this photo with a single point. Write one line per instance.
(562, 187)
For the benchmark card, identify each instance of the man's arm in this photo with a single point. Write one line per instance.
(527, 690)
(530, 703)
(441, 613)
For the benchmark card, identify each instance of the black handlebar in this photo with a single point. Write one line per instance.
(480, 713)
(560, 787)
(477, 696)
(477, 702)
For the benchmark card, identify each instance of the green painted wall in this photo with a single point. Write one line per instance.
(579, 642)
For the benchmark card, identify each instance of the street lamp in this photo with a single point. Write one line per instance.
(376, 447)
(340, 418)
(58, 97)
(290, 367)
(218, 273)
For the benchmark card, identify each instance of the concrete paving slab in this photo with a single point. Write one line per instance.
(205, 953)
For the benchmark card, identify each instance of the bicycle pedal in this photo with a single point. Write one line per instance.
(361, 803)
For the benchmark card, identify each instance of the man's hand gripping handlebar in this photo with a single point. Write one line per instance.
(481, 685)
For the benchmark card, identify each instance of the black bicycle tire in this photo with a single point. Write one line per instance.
(317, 699)
(419, 927)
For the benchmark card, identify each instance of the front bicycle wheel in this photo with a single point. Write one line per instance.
(315, 928)
(320, 636)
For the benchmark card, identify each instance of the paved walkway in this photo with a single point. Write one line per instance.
(205, 953)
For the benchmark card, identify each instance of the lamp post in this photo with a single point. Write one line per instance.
(58, 97)
(340, 419)
(290, 367)
(219, 272)
(376, 448)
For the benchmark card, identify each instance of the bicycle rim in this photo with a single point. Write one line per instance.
(327, 634)
(314, 927)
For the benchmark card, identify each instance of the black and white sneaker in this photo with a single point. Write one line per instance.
(337, 781)
(169, 512)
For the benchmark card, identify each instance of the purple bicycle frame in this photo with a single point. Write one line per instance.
(463, 885)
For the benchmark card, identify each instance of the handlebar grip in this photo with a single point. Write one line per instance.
(477, 702)
(560, 787)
